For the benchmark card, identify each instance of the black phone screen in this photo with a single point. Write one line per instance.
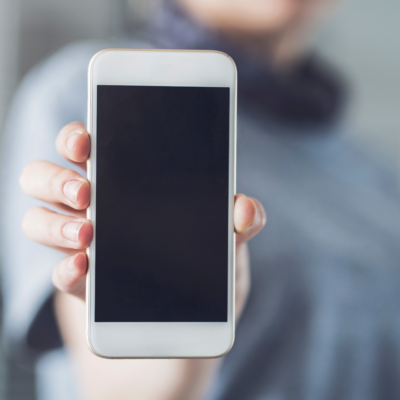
(162, 180)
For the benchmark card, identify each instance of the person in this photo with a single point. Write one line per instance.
(321, 320)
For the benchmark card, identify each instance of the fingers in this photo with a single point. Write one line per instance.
(56, 230)
(52, 183)
(249, 217)
(69, 210)
(73, 143)
(69, 276)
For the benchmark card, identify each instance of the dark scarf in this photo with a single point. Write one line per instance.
(309, 95)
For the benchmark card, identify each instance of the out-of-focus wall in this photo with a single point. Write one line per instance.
(363, 41)
(46, 25)
(9, 26)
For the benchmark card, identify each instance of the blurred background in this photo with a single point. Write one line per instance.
(361, 40)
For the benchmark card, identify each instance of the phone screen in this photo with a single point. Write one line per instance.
(162, 180)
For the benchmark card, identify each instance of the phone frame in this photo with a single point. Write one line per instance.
(160, 68)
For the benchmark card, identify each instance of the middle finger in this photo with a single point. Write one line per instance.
(52, 183)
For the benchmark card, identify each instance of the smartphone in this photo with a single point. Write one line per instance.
(162, 171)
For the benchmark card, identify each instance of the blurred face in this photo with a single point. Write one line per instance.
(256, 17)
(280, 21)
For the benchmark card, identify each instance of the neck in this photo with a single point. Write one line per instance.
(281, 51)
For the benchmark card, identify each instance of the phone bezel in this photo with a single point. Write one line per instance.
(160, 68)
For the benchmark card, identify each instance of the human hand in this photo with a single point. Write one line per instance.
(72, 233)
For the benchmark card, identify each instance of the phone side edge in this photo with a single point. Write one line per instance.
(89, 128)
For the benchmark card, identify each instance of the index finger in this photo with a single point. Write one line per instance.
(73, 143)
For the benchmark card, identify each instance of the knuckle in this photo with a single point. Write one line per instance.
(24, 173)
(60, 280)
(67, 129)
(53, 181)
(52, 230)
(58, 178)
(74, 125)
(54, 278)
(68, 284)
(29, 219)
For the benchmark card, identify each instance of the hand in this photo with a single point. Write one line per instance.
(72, 233)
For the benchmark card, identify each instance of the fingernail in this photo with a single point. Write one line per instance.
(255, 213)
(70, 265)
(71, 230)
(72, 139)
(71, 189)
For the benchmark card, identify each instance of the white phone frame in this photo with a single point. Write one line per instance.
(160, 68)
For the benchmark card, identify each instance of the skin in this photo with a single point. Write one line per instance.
(277, 29)
(71, 233)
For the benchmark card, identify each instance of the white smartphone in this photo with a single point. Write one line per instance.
(162, 171)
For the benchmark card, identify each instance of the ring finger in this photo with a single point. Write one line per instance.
(57, 230)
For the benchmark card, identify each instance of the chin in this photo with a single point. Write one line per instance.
(260, 18)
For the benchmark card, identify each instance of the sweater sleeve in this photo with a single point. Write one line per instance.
(51, 96)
